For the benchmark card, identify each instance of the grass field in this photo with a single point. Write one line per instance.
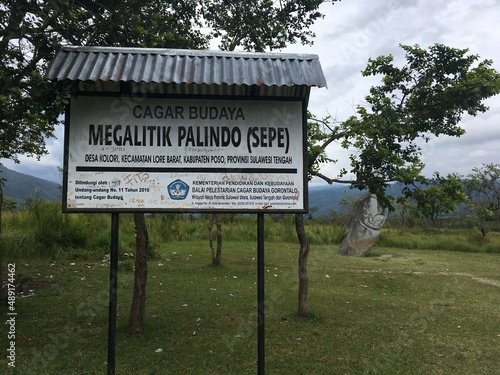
(395, 312)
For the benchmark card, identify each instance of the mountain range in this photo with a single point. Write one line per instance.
(19, 186)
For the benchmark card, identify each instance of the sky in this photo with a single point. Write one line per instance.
(353, 31)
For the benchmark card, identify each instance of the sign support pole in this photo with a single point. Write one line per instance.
(113, 278)
(260, 296)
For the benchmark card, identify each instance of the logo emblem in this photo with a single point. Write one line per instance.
(178, 190)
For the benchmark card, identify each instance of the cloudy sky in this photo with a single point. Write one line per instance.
(355, 30)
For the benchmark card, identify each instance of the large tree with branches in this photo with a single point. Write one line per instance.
(32, 31)
(30, 34)
(423, 99)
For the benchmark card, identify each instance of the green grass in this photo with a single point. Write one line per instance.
(394, 312)
(470, 240)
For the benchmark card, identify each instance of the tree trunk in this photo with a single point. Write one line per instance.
(216, 253)
(138, 309)
(482, 226)
(303, 256)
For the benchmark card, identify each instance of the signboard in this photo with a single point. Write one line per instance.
(172, 154)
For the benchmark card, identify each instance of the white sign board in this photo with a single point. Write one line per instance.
(164, 154)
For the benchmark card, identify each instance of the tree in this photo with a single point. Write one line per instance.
(9, 204)
(425, 98)
(32, 31)
(257, 26)
(440, 198)
(312, 211)
(304, 250)
(217, 251)
(30, 34)
(261, 25)
(138, 309)
(403, 211)
(483, 189)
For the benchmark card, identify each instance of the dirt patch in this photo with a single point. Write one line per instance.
(385, 256)
(481, 280)
(26, 286)
(486, 281)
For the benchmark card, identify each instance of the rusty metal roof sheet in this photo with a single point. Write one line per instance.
(104, 67)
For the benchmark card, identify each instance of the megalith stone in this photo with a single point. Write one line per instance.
(368, 216)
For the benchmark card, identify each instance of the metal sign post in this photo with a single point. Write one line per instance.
(260, 296)
(113, 279)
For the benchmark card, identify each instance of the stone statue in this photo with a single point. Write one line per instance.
(368, 216)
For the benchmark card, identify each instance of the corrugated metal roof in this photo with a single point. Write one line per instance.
(178, 71)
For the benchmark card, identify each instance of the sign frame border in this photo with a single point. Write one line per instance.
(67, 129)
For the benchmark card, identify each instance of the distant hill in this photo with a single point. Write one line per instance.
(20, 186)
(328, 198)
